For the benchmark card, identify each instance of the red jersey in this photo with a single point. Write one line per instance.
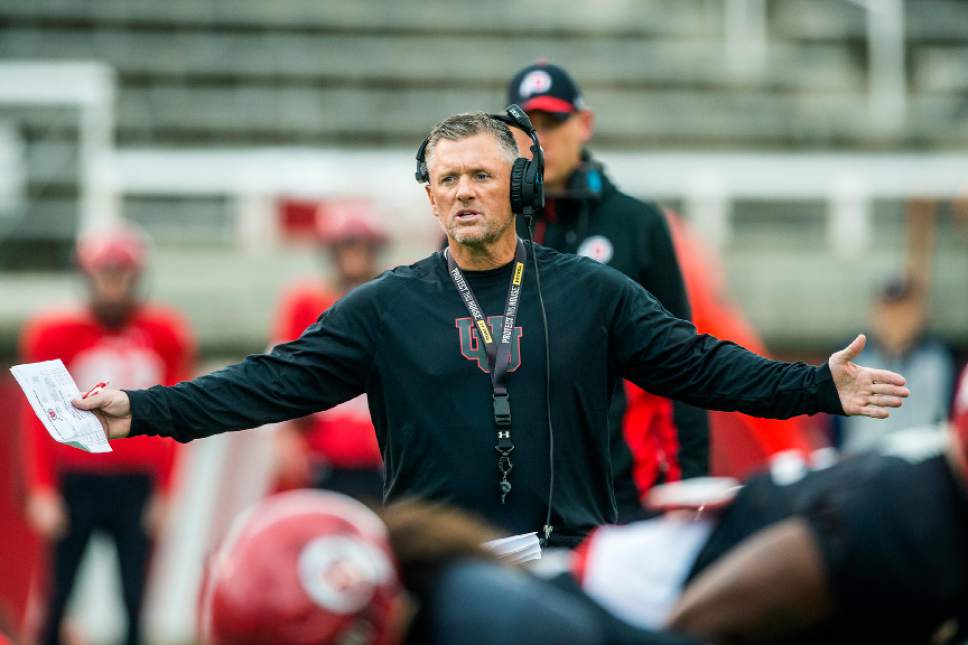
(959, 415)
(650, 431)
(153, 348)
(342, 436)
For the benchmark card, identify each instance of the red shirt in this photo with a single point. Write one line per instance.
(342, 436)
(153, 348)
(959, 414)
(650, 432)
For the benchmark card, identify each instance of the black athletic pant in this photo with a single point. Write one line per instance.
(114, 505)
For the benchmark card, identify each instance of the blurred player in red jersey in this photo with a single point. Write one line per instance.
(959, 413)
(335, 449)
(124, 493)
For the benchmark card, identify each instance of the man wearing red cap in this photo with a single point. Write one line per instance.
(337, 448)
(586, 214)
(71, 494)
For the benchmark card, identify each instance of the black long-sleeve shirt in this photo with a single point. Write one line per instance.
(405, 340)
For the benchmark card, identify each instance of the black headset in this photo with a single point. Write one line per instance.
(527, 175)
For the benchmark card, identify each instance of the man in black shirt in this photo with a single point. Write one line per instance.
(406, 340)
(586, 214)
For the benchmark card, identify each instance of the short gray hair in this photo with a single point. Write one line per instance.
(469, 124)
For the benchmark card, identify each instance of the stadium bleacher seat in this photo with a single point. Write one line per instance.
(197, 73)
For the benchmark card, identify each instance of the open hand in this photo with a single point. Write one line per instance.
(863, 390)
(112, 409)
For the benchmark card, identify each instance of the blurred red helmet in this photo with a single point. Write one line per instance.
(349, 219)
(120, 247)
(302, 567)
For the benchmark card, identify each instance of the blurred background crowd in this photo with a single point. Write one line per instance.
(258, 157)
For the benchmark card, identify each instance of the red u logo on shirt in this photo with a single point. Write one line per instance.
(473, 349)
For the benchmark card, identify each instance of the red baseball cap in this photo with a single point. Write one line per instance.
(543, 87)
(120, 247)
(349, 219)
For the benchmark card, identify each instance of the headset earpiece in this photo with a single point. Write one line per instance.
(527, 175)
(519, 188)
(422, 175)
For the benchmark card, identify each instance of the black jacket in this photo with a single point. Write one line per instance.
(599, 221)
(403, 340)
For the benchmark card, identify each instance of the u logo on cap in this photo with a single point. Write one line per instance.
(535, 82)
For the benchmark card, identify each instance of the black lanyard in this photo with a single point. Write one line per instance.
(498, 354)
